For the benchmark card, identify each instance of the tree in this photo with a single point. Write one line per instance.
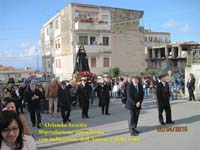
(114, 71)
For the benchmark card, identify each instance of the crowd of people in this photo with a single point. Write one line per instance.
(57, 99)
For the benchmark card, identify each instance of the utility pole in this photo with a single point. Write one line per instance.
(37, 60)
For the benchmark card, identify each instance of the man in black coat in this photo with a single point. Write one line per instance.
(163, 97)
(104, 88)
(83, 92)
(135, 95)
(64, 99)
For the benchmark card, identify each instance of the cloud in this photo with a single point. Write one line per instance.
(24, 45)
(169, 24)
(183, 28)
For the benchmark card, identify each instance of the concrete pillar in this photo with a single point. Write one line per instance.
(159, 53)
(179, 51)
(153, 53)
(166, 52)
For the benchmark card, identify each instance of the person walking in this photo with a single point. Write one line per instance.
(84, 96)
(135, 95)
(64, 99)
(51, 94)
(34, 96)
(163, 98)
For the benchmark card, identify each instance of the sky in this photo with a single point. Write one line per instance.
(21, 21)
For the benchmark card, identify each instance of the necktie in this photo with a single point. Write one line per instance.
(136, 86)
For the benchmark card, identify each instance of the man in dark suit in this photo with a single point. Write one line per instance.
(64, 99)
(135, 95)
(84, 96)
(104, 88)
(163, 98)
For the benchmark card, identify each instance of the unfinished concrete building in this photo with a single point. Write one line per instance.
(170, 56)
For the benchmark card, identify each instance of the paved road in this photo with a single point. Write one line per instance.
(115, 127)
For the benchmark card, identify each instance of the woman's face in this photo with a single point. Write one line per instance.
(11, 133)
(11, 106)
(5, 90)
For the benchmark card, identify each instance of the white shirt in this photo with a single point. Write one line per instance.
(164, 83)
(136, 86)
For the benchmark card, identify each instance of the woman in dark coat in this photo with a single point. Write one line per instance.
(191, 87)
(34, 96)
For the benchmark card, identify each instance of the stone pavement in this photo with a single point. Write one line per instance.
(113, 130)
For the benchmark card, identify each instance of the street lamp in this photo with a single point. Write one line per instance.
(37, 60)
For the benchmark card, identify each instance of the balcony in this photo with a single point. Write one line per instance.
(91, 24)
(95, 49)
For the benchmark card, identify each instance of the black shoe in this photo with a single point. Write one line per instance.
(39, 125)
(83, 116)
(87, 117)
(170, 122)
(136, 131)
(108, 114)
(133, 133)
(162, 123)
(69, 120)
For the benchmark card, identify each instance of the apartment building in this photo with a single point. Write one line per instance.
(111, 37)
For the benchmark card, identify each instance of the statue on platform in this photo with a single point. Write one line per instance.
(81, 63)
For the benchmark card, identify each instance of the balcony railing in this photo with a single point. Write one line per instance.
(91, 24)
(95, 48)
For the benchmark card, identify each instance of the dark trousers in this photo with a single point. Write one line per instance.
(191, 95)
(133, 118)
(33, 114)
(19, 106)
(105, 106)
(65, 113)
(167, 110)
(85, 108)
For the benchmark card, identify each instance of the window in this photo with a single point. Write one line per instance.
(58, 63)
(93, 62)
(47, 47)
(92, 40)
(49, 64)
(105, 18)
(83, 40)
(47, 31)
(51, 25)
(57, 24)
(106, 62)
(155, 39)
(145, 38)
(58, 43)
(105, 40)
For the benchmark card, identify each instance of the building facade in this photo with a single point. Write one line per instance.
(111, 37)
(172, 56)
(155, 39)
